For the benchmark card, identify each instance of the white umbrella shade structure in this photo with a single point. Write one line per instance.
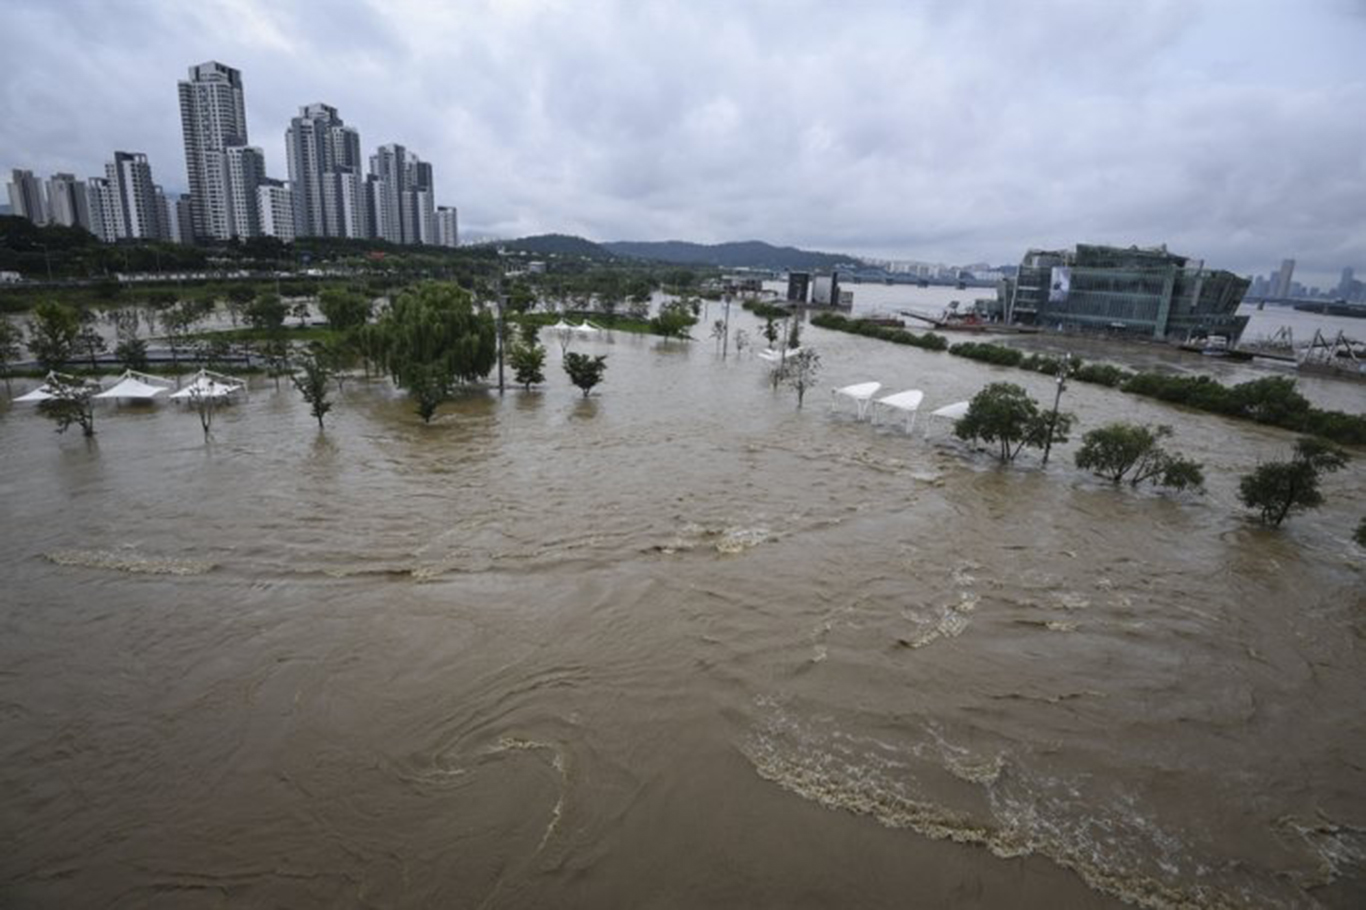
(562, 326)
(950, 412)
(585, 329)
(45, 391)
(773, 356)
(907, 401)
(860, 392)
(137, 386)
(210, 385)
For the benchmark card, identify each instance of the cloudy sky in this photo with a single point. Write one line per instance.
(945, 130)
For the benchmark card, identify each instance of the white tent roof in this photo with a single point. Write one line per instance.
(772, 355)
(586, 328)
(956, 411)
(137, 385)
(859, 391)
(44, 391)
(210, 385)
(908, 400)
(562, 326)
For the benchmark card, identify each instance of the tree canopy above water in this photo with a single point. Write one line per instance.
(430, 340)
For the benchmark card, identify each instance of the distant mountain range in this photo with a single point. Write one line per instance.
(747, 254)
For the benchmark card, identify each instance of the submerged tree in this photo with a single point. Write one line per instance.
(1005, 414)
(432, 338)
(314, 372)
(71, 402)
(799, 371)
(1120, 451)
(344, 310)
(10, 339)
(674, 319)
(584, 371)
(1278, 488)
(53, 332)
(528, 363)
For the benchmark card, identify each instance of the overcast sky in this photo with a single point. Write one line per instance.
(945, 130)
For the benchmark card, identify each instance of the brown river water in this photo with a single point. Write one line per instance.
(677, 645)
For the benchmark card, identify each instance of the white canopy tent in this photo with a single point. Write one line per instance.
(562, 326)
(950, 412)
(907, 401)
(585, 329)
(45, 391)
(773, 356)
(208, 385)
(137, 386)
(861, 393)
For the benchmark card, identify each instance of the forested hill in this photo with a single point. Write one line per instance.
(558, 245)
(749, 253)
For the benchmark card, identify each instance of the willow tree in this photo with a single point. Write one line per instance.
(430, 340)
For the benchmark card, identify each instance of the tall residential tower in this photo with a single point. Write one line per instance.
(213, 118)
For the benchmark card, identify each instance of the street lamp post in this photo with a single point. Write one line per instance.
(502, 330)
(1063, 370)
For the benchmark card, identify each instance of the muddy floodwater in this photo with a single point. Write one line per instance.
(677, 645)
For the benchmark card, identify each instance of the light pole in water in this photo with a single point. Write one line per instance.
(1063, 369)
(502, 329)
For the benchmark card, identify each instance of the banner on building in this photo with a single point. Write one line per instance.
(1061, 284)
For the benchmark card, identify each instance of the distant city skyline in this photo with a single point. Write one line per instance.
(953, 133)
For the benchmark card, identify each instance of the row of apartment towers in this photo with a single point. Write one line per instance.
(328, 194)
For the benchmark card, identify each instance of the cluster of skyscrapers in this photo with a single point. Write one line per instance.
(1281, 284)
(329, 193)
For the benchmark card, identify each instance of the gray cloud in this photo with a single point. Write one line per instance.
(941, 130)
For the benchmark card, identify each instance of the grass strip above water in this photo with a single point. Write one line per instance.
(929, 341)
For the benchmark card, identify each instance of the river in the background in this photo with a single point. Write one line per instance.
(677, 645)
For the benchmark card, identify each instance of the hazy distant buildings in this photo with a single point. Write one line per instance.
(26, 197)
(213, 119)
(1345, 285)
(1111, 290)
(1281, 285)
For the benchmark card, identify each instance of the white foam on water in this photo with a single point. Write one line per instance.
(738, 540)
(557, 761)
(1333, 846)
(129, 561)
(1111, 843)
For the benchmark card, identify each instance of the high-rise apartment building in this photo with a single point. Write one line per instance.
(26, 197)
(101, 198)
(246, 172)
(1345, 285)
(325, 173)
(278, 209)
(213, 118)
(389, 167)
(1282, 285)
(64, 194)
(447, 226)
(132, 196)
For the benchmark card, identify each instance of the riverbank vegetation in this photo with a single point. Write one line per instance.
(928, 341)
